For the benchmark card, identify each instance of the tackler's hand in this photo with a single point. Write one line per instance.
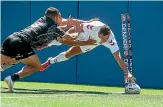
(73, 22)
(91, 42)
(94, 19)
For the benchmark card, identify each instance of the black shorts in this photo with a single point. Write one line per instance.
(16, 47)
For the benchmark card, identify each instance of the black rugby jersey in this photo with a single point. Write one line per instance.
(41, 33)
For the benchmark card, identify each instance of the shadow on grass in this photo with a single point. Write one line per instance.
(54, 91)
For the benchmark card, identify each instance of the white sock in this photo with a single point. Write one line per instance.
(61, 57)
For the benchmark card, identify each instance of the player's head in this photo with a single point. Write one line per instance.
(104, 33)
(54, 14)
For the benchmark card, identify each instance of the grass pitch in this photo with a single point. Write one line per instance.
(32, 94)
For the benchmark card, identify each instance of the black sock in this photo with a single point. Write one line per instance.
(15, 77)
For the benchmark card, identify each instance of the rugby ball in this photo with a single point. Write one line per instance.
(132, 88)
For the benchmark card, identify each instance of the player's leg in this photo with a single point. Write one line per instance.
(76, 50)
(32, 65)
(21, 51)
(7, 53)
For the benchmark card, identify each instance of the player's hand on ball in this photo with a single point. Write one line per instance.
(129, 78)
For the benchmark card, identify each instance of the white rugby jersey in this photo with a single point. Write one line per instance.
(91, 31)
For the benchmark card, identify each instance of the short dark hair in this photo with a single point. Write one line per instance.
(105, 30)
(52, 12)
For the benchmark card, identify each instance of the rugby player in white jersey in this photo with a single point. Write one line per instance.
(102, 34)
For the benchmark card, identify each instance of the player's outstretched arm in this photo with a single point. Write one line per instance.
(68, 23)
(83, 21)
(120, 61)
(71, 21)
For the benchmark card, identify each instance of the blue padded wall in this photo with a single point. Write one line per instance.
(147, 35)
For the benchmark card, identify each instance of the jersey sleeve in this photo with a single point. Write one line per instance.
(112, 44)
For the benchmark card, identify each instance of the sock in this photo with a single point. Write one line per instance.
(61, 57)
(15, 77)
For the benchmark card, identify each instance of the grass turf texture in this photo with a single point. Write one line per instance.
(32, 94)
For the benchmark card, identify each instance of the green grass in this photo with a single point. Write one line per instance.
(32, 94)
